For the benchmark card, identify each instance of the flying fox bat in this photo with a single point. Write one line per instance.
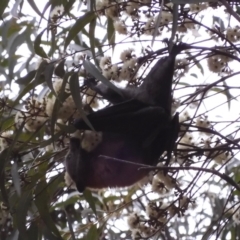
(138, 128)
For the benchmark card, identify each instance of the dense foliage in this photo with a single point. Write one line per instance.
(48, 49)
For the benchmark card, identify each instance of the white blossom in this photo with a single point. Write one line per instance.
(58, 10)
(120, 27)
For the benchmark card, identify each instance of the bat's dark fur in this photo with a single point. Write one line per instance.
(138, 129)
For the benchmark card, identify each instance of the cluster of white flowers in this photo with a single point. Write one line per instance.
(56, 12)
(198, 7)
(57, 85)
(175, 105)
(182, 65)
(138, 226)
(152, 210)
(127, 54)
(166, 17)
(132, 8)
(90, 140)
(218, 156)
(145, 180)
(184, 202)
(125, 72)
(187, 142)
(5, 140)
(120, 27)
(158, 213)
(203, 122)
(236, 215)
(4, 214)
(34, 115)
(68, 181)
(233, 34)
(158, 186)
(182, 28)
(133, 220)
(216, 63)
(189, 24)
(149, 28)
(105, 63)
(67, 108)
(168, 181)
(117, 9)
(184, 117)
(112, 10)
(162, 182)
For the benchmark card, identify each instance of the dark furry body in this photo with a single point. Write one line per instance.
(138, 131)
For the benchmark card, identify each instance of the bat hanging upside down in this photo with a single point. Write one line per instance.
(137, 129)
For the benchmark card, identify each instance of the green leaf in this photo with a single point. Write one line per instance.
(110, 32)
(26, 79)
(41, 201)
(69, 5)
(90, 199)
(21, 212)
(38, 49)
(92, 35)
(39, 79)
(48, 73)
(33, 231)
(92, 233)
(17, 42)
(35, 8)
(3, 5)
(220, 22)
(194, 75)
(59, 70)
(4, 157)
(16, 178)
(78, 26)
(75, 91)
(157, 24)
(62, 96)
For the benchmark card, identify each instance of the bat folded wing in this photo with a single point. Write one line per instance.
(131, 118)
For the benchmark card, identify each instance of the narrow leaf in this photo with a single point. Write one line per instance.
(3, 5)
(74, 88)
(38, 49)
(21, 212)
(59, 70)
(48, 73)
(16, 178)
(26, 79)
(41, 201)
(78, 26)
(92, 233)
(92, 38)
(35, 8)
(89, 198)
(111, 32)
